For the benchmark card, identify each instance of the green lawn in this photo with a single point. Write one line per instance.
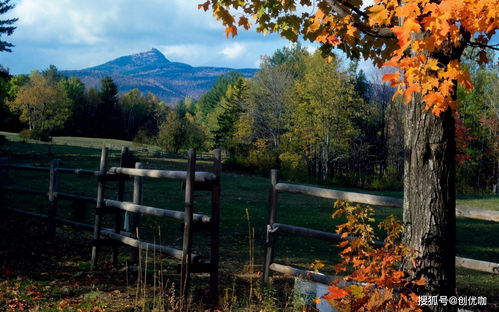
(476, 239)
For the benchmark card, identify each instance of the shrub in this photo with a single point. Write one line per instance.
(376, 280)
(142, 137)
(25, 135)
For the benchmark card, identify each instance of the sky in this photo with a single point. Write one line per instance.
(75, 34)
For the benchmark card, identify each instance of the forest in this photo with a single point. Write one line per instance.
(323, 122)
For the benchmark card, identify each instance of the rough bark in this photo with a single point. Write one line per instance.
(429, 198)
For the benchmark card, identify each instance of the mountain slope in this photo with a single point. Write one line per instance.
(152, 71)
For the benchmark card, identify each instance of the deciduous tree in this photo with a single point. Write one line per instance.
(323, 115)
(43, 104)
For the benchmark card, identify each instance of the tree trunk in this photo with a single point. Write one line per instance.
(429, 198)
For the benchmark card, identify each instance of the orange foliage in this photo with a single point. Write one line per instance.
(376, 281)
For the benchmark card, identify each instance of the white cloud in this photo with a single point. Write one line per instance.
(183, 52)
(233, 51)
(63, 21)
(74, 34)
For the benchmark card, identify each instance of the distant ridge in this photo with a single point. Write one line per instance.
(152, 71)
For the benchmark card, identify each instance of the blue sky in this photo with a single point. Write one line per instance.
(74, 34)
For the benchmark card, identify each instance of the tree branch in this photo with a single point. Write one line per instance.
(484, 46)
(366, 29)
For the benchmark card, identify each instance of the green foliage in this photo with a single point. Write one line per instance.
(323, 115)
(212, 98)
(477, 130)
(228, 113)
(179, 133)
(108, 112)
(8, 120)
(43, 104)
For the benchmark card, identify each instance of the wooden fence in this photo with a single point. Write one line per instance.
(126, 235)
(274, 228)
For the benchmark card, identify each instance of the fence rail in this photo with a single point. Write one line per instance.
(200, 176)
(273, 227)
(159, 212)
(210, 181)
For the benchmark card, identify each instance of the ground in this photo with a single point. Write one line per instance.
(39, 274)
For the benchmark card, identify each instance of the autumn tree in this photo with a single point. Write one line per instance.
(423, 41)
(6, 25)
(43, 104)
(269, 106)
(325, 105)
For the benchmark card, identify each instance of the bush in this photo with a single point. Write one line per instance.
(374, 281)
(25, 135)
(390, 181)
(260, 158)
(292, 166)
(141, 138)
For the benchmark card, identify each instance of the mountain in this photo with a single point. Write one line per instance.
(152, 71)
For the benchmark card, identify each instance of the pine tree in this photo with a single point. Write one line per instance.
(6, 25)
(235, 100)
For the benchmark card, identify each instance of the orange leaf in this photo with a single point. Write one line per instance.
(335, 293)
(419, 282)
(332, 39)
(231, 30)
(392, 77)
(408, 92)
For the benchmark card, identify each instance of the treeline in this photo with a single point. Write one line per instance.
(47, 103)
(312, 119)
(315, 120)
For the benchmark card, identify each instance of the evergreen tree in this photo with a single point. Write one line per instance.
(109, 114)
(207, 103)
(228, 113)
(6, 25)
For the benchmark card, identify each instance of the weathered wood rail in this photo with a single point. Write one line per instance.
(274, 228)
(125, 233)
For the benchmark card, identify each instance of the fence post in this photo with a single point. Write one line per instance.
(215, 225)
(187, 239)
(269, 250)
(134, 218)
(4, 161)
(120, 196)
(53, 188)
(99, 205)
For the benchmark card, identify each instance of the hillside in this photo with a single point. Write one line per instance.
(152, 71)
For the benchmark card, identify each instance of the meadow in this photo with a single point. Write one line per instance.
(244, 207)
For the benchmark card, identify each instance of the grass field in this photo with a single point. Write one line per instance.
(240, 193)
